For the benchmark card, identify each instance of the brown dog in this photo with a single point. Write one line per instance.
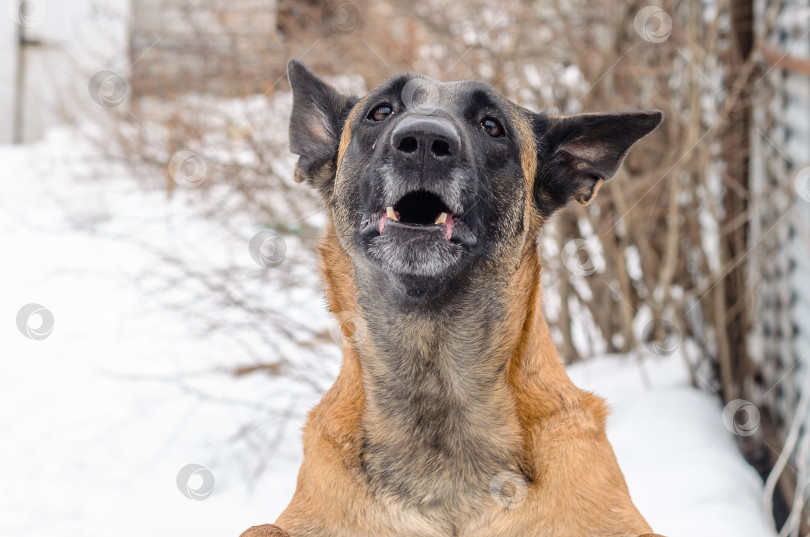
(452, 414)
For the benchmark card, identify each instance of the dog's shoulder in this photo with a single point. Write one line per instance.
(575, 425)
(594, 407)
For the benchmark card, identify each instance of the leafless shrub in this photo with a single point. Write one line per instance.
(657, 261)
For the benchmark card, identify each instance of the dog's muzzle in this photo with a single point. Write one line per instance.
(424, 188)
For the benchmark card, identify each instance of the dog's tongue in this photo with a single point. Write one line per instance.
(448, 227)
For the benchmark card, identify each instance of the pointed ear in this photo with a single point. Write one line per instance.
(577, 153)
(318, 115)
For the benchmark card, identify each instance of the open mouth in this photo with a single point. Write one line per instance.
(422, 212)
(420, 208)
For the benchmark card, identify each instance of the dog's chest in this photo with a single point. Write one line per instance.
(436, 448)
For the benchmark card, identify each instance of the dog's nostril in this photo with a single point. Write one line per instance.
(408, 144)
(440, 148)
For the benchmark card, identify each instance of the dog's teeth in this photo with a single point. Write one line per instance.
(389, 211)
(441, 219)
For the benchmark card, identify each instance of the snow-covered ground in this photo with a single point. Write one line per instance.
(97, 419)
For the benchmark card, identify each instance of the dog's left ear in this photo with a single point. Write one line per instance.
(318, 115)
(577, 153)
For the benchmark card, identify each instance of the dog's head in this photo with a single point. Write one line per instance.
(425, 178)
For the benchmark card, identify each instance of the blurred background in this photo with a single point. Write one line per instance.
(160, 265)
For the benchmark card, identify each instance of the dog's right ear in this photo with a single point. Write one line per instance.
(577, 153)
(318, 115)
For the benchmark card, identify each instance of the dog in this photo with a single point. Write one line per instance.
(452, 415)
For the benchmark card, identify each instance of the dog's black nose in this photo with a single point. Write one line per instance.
(424, 139)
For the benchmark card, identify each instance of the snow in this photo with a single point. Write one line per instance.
(681, 463)
(98, 418)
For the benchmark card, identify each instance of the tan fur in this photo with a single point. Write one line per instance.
(528, 151)
(588, 198)
(555, 431)
(346, 135)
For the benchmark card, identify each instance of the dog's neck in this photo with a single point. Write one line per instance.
(447, 392)
(437, 398)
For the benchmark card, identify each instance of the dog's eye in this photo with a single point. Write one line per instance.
(493, 127)
(380, 112)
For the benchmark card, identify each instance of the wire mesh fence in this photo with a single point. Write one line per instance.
(778, 381)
